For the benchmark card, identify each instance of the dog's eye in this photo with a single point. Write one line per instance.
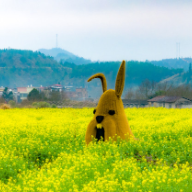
(111, 112)
(94, 111)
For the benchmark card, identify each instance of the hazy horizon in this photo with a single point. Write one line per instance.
(99, 30)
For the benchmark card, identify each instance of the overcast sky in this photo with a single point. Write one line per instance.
(99, 29)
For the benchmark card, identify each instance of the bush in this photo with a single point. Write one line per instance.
(54, 106)
(25, 103)
(12, 103)
(5, 106)
(35, 104)
(41, 104)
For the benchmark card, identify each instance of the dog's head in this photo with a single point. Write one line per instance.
(109, 118)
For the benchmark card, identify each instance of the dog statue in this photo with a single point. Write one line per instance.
(109, 120)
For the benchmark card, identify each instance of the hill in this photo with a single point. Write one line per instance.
(182, 63)
(25, 58)
(184, 78)
(22, 68)
(136, 72)
(60, 54)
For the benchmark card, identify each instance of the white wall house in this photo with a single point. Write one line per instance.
(24, 91)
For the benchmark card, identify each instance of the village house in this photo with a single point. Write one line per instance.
(24, 91)
(47, 90)
(71, 92)
(170, 102)
(21, 93)
(56, 87)
(16, 95)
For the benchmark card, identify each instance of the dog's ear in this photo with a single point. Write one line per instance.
(120, 80)
(103, 80)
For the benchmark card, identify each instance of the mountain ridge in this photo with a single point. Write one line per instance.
(65, 56)
(24, 67)
(174, 63)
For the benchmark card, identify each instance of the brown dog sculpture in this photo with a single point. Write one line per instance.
(109, 120)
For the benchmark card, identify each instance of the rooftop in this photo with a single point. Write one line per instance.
(167, 99)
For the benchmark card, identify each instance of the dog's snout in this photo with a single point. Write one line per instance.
(99, 119)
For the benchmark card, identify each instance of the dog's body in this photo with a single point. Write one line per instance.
(109, 119)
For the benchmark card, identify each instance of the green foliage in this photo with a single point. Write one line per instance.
(41, 104)
(33, 95)
(157, 93)
(34, 104)
(12, 103)
(7, 95)
(54, 106)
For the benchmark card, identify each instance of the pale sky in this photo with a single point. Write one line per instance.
(99, 29)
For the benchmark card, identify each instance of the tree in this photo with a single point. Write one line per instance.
(57, 96)
(7, 95)
(130, 94)
(34, 95)
(164, 87)
(147, 88)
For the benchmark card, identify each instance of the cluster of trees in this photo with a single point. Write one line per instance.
(149, 89)
(35, 95)
(136, 72)
(7, 95)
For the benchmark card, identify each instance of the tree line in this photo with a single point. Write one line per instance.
(149, 89)
(34, 95)
(21, 68)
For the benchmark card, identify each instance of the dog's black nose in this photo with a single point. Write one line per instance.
(99, 119)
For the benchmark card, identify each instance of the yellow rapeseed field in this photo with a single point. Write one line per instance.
(44, 150)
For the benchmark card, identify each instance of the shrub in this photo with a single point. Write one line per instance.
(25, 103)
(54, 106)
(12, 103)
(41, 104)
(5, 106)
(35, 104)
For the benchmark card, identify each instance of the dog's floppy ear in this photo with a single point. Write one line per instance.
(120, 80)
(103, 80)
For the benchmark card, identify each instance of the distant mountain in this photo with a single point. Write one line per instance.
(59, 54)
(25, 59)
(23, 67)
(182, 63)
